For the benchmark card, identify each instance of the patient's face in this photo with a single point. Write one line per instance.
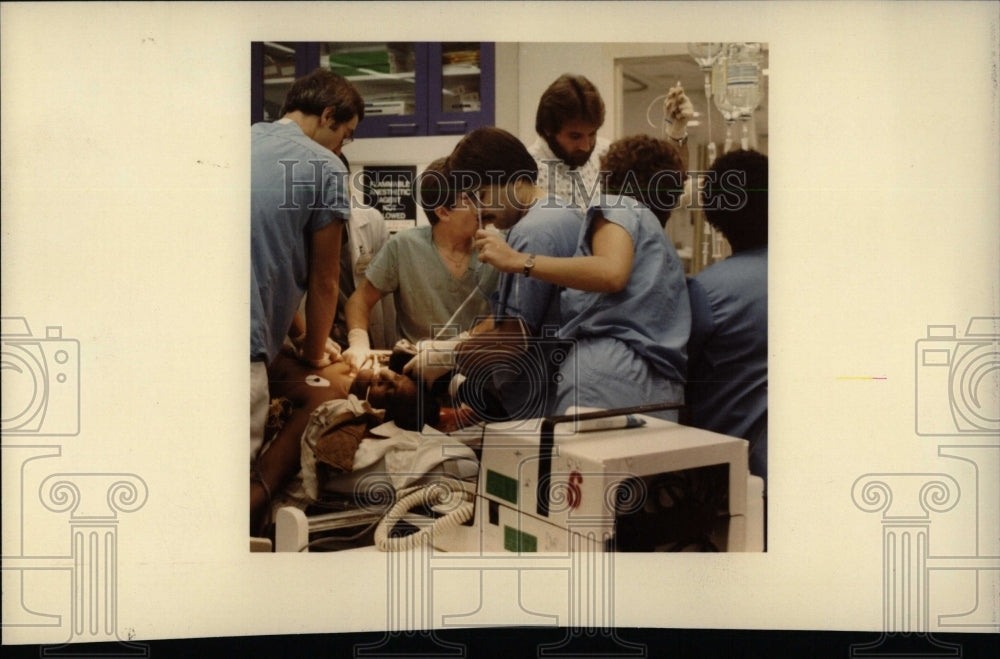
(384, 387)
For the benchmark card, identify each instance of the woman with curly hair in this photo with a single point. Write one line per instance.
(624, 305)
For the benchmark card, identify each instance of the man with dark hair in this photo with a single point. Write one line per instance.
(727, 352)
(327, 95)
(496, 170)
(568, 150)
(431, 271)
(298, 205)
(433, 190)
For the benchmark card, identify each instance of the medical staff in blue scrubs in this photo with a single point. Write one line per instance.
(624, 308)
(727, 371)
(495, 168)
(299, 203)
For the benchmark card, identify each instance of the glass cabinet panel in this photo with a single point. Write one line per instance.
(384, 74)
(410, 89)
(460, 80)
(460, 77)
(391, 77)
(278, 75)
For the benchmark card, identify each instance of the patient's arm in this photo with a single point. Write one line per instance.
(276, 467)
(281, 461)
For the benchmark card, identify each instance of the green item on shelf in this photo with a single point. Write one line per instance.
(350, 64)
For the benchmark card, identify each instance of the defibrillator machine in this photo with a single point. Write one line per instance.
(615, 480)
(610, 480)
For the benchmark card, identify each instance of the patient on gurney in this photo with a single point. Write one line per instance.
(329, 413)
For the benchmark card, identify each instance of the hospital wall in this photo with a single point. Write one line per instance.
(538, 64)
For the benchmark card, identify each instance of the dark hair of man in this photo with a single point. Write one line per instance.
(569, 97)
(741, 176)
(646, 169)
(323, 89)
(434, 190)
(489, 156)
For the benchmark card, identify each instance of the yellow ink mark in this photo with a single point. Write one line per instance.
(862, 377)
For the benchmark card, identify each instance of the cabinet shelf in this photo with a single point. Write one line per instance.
(409, 77)
(452, 70)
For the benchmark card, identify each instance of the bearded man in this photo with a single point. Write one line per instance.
(568, 151)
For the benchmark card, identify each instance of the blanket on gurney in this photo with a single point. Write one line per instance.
(347, 437)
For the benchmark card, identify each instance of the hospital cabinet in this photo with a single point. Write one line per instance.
(410, 89)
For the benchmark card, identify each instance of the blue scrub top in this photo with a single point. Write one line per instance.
(550, 227)
(297, 187)
(727, 387)
(651, 314)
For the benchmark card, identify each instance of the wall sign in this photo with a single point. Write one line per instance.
(392, 186)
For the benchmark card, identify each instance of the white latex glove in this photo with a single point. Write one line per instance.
(433, 359)
(358, 351)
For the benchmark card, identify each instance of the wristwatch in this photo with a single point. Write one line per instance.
(528, 265)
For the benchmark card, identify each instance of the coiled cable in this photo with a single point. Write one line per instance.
(432, 494)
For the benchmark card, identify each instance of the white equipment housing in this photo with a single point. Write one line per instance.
(569, 482)
(614, 480)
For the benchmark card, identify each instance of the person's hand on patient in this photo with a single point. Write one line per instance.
(358, 351)
(331, 352)
(434, 358)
